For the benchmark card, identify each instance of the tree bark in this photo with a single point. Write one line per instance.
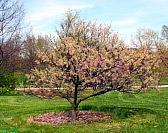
(74, 114)
(75, 105)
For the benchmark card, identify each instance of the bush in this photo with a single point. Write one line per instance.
(3, 90)
(20, 77)
(8, 80)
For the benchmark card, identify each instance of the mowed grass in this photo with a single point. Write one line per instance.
(164, 81)
(146, 112)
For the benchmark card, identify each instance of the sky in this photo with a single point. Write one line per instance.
(125, 16)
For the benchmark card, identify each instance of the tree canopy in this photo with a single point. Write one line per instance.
(90, 55)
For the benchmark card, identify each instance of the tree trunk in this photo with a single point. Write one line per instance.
(74, 105)
(74, 114)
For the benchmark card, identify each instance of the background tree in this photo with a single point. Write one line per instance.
(31, 46)
(147, 38)
(151, 41)
(11, 16)
(165, 33)
(162, 48)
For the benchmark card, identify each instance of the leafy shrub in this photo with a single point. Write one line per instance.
(3, 90)
(8, 80)
(20, 77)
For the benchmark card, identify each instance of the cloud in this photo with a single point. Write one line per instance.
(120, 23)
(52, 9)
(152, 7)
(127, 31)
(42, 15)
(124, 22)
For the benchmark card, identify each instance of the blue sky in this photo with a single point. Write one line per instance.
(124, 15)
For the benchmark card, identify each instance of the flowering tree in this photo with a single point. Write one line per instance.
(92, 56)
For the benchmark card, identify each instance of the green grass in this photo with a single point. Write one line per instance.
(164, 81)
(142, 113)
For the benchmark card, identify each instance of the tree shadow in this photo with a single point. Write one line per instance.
(119, 112)
(10, 94)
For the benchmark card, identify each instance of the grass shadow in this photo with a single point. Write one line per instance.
(11, 93)
(119, 112)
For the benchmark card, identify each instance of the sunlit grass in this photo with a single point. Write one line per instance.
(145, 112)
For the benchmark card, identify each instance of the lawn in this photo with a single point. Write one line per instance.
(164, 80)
(145, 112)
